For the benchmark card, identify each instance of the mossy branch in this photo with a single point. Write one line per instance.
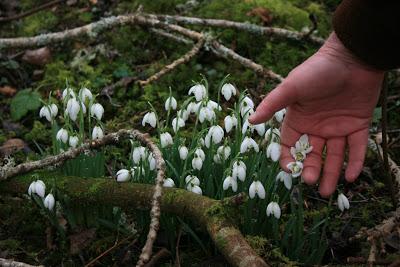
(216, 216)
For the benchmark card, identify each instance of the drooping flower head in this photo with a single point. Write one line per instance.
(228, 90)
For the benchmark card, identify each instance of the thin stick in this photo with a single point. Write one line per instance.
(32, 11)
(11, 263)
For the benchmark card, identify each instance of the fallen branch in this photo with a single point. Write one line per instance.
(216, 217)
(32, 11)
(11, 263)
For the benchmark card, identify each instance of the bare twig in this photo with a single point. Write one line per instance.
(161, 254)
(172, 36)
(11, 263)
(32, 11)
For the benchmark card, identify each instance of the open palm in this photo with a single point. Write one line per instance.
(330, 97)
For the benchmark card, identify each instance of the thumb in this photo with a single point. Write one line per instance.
(279, 98)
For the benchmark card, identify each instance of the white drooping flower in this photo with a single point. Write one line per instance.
(286, 178)
(139, 153)
(273, 135)
(199, 91)
(274, 209)
(274, 151)
(31, 188)
(85, 93)
(223, 153)
(206, 113)
(230, 182)
(193, 107)
(213, 105)
(228, 90)
(280, 115)
(49, 112)
(183, 152)
(166, 139)
(97, 133)
(177, 123)
(230, 122)
(256, 188)
(68, 92)
(49, 202)
(152, 162)
(170, 103)
(246, 107)
(215, 134)
(200, 153)
(343, 202)
(73, 141)
(247, 144)
(260, 128)
(73, 108)
(239, 170)
(198, 159)
(183, 114)
(97, 110)
(123, 175)
(37, 187)
(62, 135)
(169, 183)
(150, 118)
(296, 168)
(193, 184)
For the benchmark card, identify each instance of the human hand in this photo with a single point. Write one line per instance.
(330, 97)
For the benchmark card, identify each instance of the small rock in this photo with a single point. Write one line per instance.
(7, 90)
(40, 56)
(11, 146)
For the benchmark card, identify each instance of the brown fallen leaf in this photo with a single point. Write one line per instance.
(7, 90)
(40, 56)
(263, 13)
(11, 146)
(81, 240)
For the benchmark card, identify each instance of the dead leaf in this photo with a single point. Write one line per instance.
(81, 240)
(8, 90)
(11, 146)
(263, 13)
(40, 56)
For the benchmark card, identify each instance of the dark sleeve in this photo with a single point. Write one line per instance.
(371, 30)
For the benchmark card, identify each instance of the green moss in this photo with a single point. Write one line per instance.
(220, 241)
(39, 133)
(38, 23)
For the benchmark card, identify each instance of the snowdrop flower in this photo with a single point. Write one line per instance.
(97, 133)
(37, 187)
(274, 209)
(49, 112)
(213, 105)
(85, 93)
(183, 152)
(169, 183)
(343, 202)
(272, 135)
(31, 188)
(166, 139)
(274, 151)
(228, 90)
(97, 110)
(246, 106)
(177, 123)
(152, 162)
(256, 188)
(138, 153)
(286, 178)
(199, 91)
(201, 141)
(49, 202)
(230, 182)
(223, 153)
(296, 168)
(73, 108)
(62, 135)
(69, 92)
(197, 162)
(303, 145)
(170, 103)
(298, 155)
(123, 175)
(206, 114)
(230, 122)
(183, 114)
(196, 189)
(150, 118)
(239, 170)
(193, 184)
(193, 107)
(73, 141)
(200, 153)
(247, 144)
(279, 115)
(216, 133)
(260, 128)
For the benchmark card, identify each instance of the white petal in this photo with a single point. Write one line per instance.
(49, 202)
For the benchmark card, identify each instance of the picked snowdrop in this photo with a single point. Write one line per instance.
(123, 175)
(223, 153)
(303, 144)
(279, 115)
(170, 103)
(37, 187)
(138, 153)
(296, 168)
(248, 143)
(169, 183)
(97, 111)
(239, 170)
(286, 178)
(199, 91)
(49, 112)
(274, 151)
(84, 94)
(73, 141)
(228, 90)
(150, 118)
(230, 122)
(343, 202)
(256, 188)
(230, 182)
(215, 134)
(49, 202)
(97, 133)
(62, 135)
(177, 123)
(166, 139)
(274, 209)
(183, 152)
